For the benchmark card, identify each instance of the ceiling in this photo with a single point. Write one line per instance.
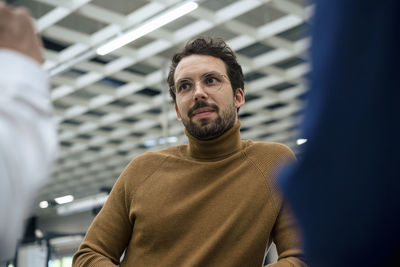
(114, 107)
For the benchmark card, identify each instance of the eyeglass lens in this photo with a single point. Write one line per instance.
(210, 83)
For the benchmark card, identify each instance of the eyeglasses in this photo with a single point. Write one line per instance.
(210, 82)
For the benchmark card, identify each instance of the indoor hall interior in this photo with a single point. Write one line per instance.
(112, 104)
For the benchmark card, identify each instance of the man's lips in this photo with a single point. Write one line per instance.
(203, 112)
(202, 109)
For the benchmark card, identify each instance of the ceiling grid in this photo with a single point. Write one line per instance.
(114, 107)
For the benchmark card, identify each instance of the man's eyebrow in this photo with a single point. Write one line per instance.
(203, 75)
(210, 73)
(183, 80)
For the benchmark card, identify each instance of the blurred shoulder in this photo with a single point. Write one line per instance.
(268, 149)
(268, 156)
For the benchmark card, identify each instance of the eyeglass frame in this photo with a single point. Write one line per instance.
(204, 76)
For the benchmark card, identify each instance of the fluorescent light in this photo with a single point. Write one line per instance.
(43, 204)
(38, 233)
(66, 241)
(172, 139)
(161, 141)
(301, 141)
(64, 199)
(146, 28)
(84, 204)
(149, 143)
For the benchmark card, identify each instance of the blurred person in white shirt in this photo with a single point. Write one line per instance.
(28, 137)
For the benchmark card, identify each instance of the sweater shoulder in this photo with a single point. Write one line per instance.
(153, 157)
(269, 158)
(146, 164)
(268, 152)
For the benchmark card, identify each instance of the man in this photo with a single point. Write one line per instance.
(346, 187)
(212, 202)
(28, 141)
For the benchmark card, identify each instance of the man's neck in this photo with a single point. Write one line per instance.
(224, 145)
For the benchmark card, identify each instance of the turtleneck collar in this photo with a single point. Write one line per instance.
(224, 145)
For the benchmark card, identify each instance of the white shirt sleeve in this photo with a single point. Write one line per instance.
(28, 142)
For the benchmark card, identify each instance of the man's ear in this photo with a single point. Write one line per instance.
(239, 97)
(178, 115)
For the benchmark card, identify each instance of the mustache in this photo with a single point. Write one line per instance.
(202, 104)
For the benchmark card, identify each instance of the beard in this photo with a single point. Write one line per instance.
(209, 128)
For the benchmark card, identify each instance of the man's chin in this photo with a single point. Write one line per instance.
(202, 124)
(204, 128)
(205, 122)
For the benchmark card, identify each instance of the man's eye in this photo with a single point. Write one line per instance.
(184, 87)
(211, 81)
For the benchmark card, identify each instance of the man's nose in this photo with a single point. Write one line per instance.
(199, 92)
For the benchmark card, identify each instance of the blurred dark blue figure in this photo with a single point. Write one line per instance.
(345, 189)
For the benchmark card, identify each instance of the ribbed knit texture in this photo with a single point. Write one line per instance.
(209, 203)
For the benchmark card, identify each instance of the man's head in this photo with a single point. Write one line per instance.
(206, 83)
(212, 47)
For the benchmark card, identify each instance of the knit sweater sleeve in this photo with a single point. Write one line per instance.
(270, 158)
(286, 233)
(110, 232)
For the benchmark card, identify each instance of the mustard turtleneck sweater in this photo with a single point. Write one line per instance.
(208, 203)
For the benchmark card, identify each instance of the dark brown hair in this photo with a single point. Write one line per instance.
(210, 46)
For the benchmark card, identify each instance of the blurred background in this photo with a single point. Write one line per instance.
(112, 107)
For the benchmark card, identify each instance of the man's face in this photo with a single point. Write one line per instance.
(204, 113)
